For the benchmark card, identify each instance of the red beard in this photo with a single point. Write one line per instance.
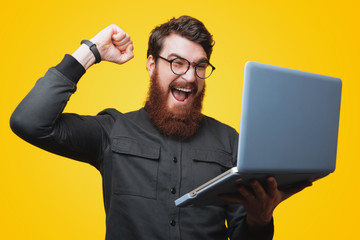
(180, 125)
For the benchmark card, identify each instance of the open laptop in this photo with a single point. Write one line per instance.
(288, 129)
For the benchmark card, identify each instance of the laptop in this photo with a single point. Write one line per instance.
(288, 129)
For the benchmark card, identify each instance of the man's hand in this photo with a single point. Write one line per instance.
(260, 203)
(113, 43)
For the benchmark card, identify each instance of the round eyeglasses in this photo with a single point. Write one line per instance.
(180, 66)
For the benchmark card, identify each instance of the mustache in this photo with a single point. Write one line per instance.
(184, 84)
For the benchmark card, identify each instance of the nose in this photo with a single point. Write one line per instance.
(190, 75)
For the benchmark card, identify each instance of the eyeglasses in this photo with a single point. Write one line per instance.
(180, 66)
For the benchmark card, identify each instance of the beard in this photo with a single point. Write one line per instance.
(180, 123)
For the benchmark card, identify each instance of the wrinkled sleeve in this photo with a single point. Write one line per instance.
(39, 120)
(238, 229)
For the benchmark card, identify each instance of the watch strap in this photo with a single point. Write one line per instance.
(93, 49)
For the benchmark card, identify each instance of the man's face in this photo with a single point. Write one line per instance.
(175, 101)
(180, 90)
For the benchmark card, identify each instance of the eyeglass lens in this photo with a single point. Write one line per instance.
(180, 66)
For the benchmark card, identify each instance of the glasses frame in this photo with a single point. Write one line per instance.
(189, 64)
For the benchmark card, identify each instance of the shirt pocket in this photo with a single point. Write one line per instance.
(135, 167)
(207, 164)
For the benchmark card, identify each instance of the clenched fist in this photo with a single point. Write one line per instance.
(113, 43)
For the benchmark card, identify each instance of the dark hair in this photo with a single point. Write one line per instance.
(186, 26)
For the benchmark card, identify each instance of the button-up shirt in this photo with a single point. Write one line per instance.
(143, 171)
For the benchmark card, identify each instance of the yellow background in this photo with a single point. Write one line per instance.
(43, 196)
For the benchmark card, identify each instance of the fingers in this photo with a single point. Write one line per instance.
(258, 190)
(129, 54)
(260, 194)
(244, 196)
(272, 187)
(121, 40)
(114, 44)
(104, 36)
(126, 55)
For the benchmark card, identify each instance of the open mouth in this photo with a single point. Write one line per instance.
(181, 94)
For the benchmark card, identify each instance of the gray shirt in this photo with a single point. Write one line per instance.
(143, 172)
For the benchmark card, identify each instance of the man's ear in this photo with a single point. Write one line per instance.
(150, 65)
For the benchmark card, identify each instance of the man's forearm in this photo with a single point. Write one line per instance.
(239, 228)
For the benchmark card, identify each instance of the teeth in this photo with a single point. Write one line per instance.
(183, 90)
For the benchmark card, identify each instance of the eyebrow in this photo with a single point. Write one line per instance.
(204, 59)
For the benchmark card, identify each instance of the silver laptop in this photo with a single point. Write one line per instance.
(288, 129)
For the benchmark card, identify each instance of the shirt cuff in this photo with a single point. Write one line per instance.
(71, 68)
(262, 233)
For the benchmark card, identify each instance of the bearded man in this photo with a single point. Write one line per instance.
(147, 157)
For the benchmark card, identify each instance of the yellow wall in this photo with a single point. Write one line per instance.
(43, 196)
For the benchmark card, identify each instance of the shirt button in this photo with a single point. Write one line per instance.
(173, 190)
(172, 223)
(174, 159)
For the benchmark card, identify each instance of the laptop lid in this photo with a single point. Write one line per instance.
(289, 121)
